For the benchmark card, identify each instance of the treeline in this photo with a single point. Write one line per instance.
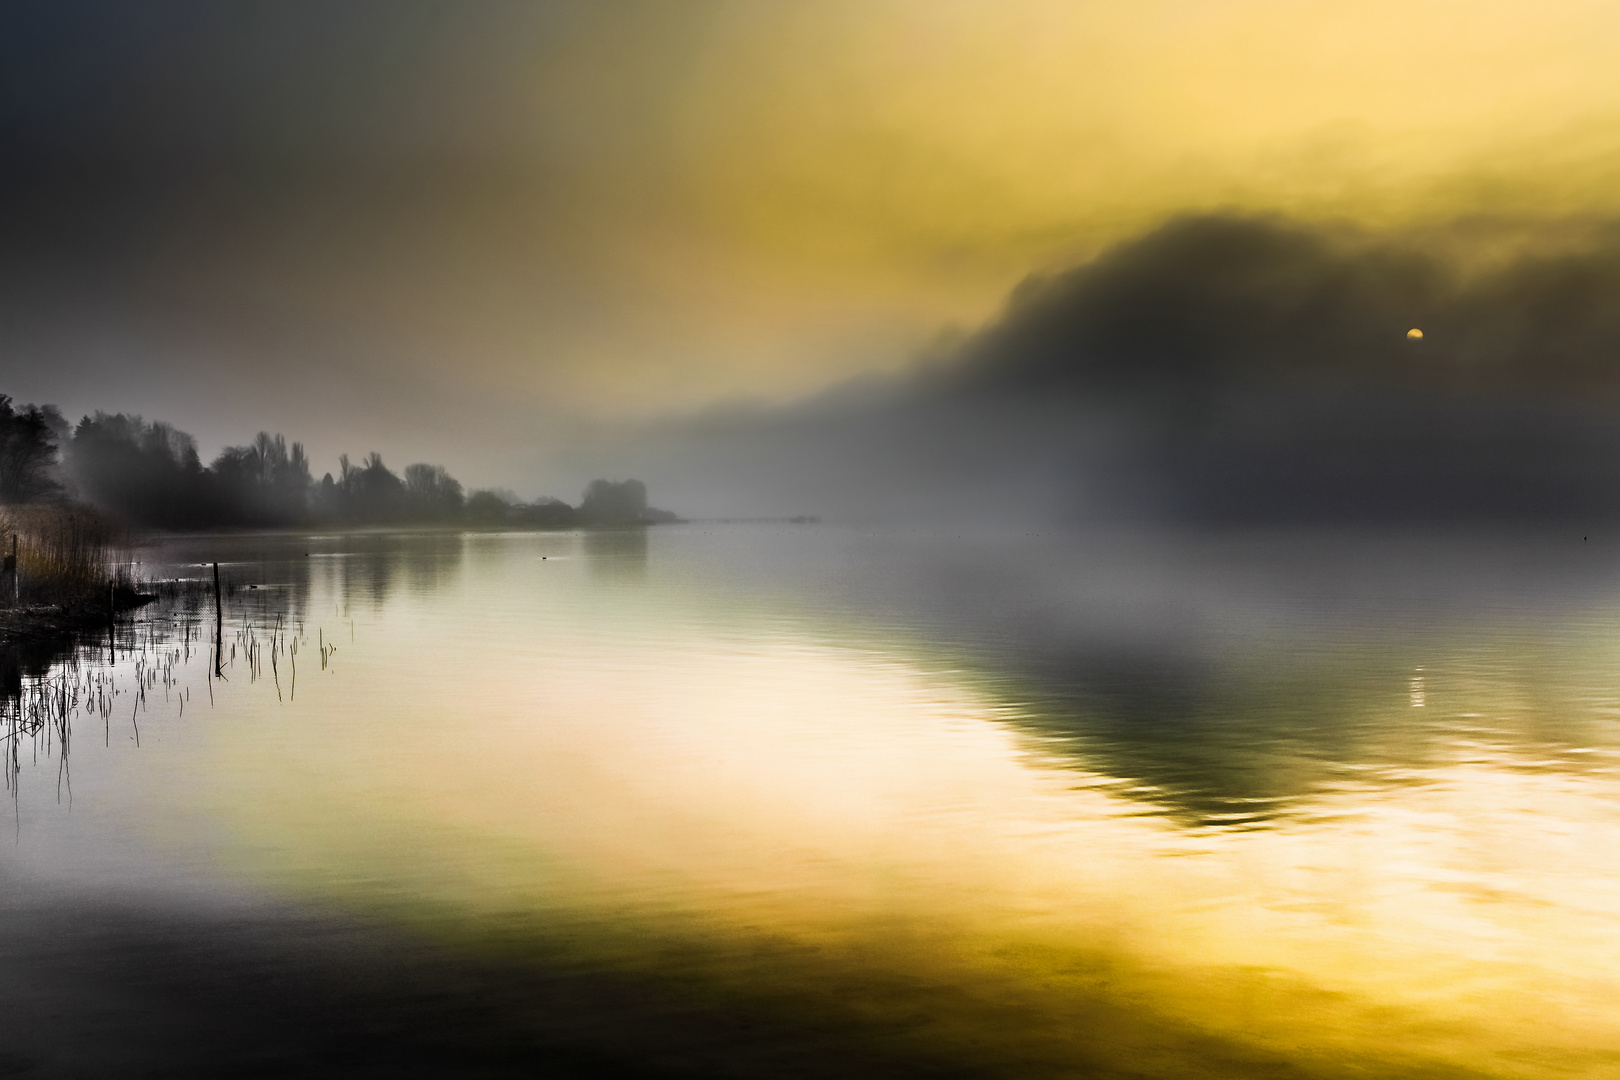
(151, 474)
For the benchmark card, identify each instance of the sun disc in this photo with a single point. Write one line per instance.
(1414, 334)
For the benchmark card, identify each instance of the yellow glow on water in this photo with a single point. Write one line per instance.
(746, 776)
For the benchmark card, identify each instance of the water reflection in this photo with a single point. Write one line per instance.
(1228, 690)
(1250, 738)
(30, 658)
(1248, 742)
(1014, 808)
(617, 554)
(1225, 678)
(279, 572)
(1220, 692)
(32, 711)
(1221, 706)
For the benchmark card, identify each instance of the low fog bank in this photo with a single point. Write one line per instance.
(1220, 370)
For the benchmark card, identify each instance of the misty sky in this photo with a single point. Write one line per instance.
(470, 233)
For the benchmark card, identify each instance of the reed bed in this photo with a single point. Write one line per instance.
(67, 557)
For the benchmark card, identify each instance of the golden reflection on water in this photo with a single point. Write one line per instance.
(538, 737)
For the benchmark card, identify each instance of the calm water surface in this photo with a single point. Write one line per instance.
(776, 800)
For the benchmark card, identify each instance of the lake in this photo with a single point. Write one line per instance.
(810, 800)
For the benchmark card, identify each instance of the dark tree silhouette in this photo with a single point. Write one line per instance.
(433, 493)
(371, 491)
(27, 452)
(264, 483)
(487, 508)
(146, 473)
(150, 474)
(609, 502)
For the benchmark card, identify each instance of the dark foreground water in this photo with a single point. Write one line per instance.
(813, 801)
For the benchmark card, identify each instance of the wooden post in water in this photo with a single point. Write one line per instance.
(219, 625)
(11, 569)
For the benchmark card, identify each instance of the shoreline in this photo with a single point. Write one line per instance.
(46, 622)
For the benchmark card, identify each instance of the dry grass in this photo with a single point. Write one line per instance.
(66, 556)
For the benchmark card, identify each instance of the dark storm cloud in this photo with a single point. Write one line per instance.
(1270, 373)
(1243, 369)
(1211, 303)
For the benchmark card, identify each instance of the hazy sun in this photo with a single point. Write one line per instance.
(1414, 334)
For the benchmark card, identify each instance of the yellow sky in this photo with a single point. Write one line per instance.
(833, 182)
(652, 208)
